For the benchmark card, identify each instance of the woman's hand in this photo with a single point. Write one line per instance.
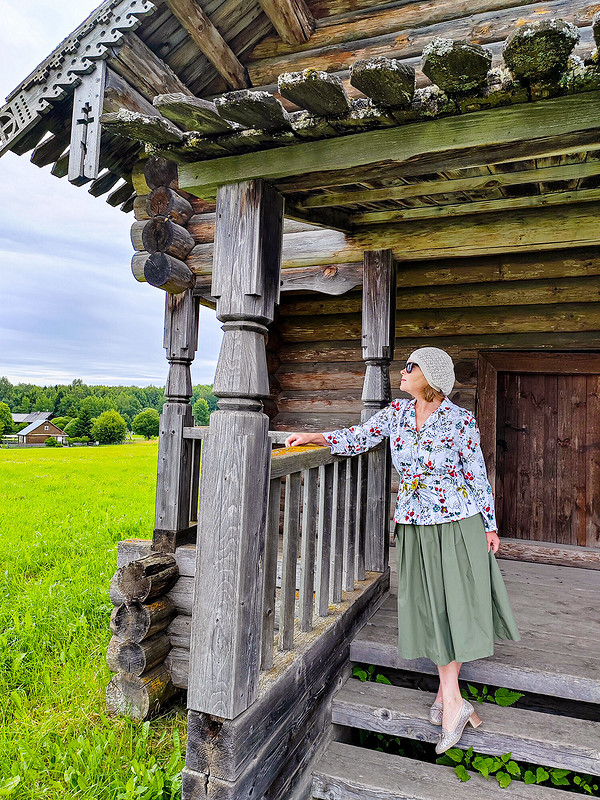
(493, 540)
(299, 439)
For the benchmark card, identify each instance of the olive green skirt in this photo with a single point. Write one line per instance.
(452, 600)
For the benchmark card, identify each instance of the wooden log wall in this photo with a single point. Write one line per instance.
(136, 654)
(532, 301)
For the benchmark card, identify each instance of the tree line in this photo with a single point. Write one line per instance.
(102, 413)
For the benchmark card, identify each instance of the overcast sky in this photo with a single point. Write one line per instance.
(69, 305)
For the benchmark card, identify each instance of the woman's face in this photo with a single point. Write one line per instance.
(414, 381)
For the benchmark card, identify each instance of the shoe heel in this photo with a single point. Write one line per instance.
(475, 720)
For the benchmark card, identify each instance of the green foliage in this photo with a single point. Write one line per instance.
(502, 696)
(71, 428)
(204, 391)
(504, 769)
(201, 411)
(109, 428)
(146, 423)
(70, 401)
(367, 673)
(6, 423)
(52, 442)
(61, 422)
(60, 550)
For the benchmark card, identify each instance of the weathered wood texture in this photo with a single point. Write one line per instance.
(140, 697)
(174, 481)
(356, 773)
(539, 433)
(200, 28)
(236, 755)
(524, 302)
(378, 337)
(147, 578)
(556, 741)
(236, 461)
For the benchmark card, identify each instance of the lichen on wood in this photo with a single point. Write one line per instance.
(253, 110)
(141, 127)
(456, 66)
(316, 91)
(539, 51)
(387, 81)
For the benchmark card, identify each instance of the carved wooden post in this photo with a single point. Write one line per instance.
(378, 324)
(226, 626)
(172, 524)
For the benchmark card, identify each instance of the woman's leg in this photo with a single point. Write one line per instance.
(449, 692)
(440, 695)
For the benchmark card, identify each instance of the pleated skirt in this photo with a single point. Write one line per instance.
(452, 599)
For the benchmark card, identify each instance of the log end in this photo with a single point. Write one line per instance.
(540, 50)
(456, 66)
(168, 273)
(388, 82)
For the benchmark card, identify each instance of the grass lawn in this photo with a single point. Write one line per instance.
(62, 513)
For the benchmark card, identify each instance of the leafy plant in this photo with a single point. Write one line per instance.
(505, 770)
(367, 673)
(502, 696)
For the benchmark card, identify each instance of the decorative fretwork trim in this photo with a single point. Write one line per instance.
(60, 72)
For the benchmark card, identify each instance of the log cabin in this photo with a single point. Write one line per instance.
(344, 181)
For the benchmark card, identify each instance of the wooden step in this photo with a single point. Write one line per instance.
(346, 772)
(548, 739)
(547, 660)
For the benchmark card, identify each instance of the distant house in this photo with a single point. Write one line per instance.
(38, 432)
(32, 416)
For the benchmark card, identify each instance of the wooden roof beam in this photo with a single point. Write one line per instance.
(501, 134)
(119, 93)
(533, 229)
(477, 183)
(193, 19)
(143, 69)
(476, 207)
(291, 19)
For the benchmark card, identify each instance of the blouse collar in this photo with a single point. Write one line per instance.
(443, 406)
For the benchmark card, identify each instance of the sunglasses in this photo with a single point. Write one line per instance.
(409, 366)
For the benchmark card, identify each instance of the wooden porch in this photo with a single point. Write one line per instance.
(556, 664)
(454, 205)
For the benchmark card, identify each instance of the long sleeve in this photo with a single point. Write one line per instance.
(360, 438)
(475, 472)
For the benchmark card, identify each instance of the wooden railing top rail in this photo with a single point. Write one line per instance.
(201, 432)
(287, 460)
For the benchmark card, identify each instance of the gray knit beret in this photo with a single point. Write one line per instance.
(437, 366)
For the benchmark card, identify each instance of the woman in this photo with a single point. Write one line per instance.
(452, 601)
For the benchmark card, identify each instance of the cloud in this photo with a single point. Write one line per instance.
(69, 305)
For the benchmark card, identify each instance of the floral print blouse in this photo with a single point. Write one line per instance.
(441, 467)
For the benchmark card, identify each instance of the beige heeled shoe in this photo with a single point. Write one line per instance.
(435, 713)
(448, 738)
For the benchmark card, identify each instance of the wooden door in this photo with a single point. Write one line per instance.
(547, 470)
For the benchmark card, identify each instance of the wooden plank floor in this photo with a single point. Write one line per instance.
(557, 610)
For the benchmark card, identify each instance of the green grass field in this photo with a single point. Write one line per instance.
(62, 513)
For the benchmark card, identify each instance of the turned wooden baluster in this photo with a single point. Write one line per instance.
(172, 522)
(378, 324)
(227, 611)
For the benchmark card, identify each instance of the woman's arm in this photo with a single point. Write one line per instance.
(475, 472)
(349, 441)
(298, 439)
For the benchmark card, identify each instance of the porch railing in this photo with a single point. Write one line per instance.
(318, 502)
